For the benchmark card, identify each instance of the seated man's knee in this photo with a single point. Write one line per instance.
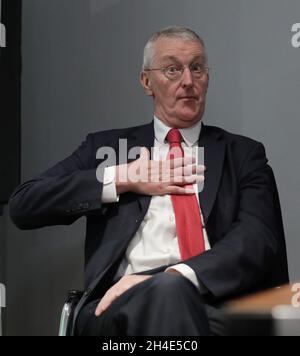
(169, 283)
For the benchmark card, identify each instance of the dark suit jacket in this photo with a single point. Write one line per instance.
(239, 202)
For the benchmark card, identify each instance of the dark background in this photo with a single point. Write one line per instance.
(10, 115)
(10, 96)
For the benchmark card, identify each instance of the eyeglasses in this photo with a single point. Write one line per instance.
(175, 71)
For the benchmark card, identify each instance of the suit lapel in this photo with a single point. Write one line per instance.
(214, 153)
(143, 137)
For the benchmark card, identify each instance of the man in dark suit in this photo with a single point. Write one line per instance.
(161, 254)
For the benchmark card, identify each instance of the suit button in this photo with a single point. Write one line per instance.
(87, 292)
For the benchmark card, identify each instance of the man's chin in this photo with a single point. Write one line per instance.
(189, 120)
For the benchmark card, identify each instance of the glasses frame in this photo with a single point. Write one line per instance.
(205, 71)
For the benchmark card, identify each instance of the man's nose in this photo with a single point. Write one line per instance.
(187, 78)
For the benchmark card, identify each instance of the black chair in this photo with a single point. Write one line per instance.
(2, 305)
(67, 314)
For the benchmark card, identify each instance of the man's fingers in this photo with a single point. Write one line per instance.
(144, 154)
(194, 179)
(188, 170)
(102, 306)
(175, 190)
(161, 170)
(105, 304)
(99, 309)
(185, 180)
(117, 290)
(180, 162)
(201, 169)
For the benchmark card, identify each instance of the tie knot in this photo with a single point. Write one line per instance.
(174, 137)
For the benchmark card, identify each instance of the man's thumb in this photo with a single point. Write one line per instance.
(144, 154)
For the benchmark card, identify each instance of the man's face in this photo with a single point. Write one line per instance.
(179, 103)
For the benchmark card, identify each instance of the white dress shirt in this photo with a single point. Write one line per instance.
(156, 243)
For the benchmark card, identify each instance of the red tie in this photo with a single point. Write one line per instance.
(187, 212)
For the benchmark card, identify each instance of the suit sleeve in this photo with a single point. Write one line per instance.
(61, 195)
(246, 255)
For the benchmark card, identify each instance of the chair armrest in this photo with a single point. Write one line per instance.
(68, 312)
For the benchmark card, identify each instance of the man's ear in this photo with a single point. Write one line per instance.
(208, 81)
(146, 83)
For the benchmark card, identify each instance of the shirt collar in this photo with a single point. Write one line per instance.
(190, 134)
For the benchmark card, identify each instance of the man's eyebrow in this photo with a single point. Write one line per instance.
(200, 56)
(172, 58)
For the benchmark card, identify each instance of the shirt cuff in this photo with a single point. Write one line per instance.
(190, 274)
(109, 193)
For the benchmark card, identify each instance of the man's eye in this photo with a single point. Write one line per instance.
(173, 70)
(197, 67)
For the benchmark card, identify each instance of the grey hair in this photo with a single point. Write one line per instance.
(170, 32)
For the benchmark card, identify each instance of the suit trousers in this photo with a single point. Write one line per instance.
(164, 305)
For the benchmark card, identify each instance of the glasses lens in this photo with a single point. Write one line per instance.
(173, 72)
(198, 71)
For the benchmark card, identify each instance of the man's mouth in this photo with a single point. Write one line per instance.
(188, 98)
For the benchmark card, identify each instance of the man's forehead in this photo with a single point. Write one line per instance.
(192, 55)
(172, 49)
